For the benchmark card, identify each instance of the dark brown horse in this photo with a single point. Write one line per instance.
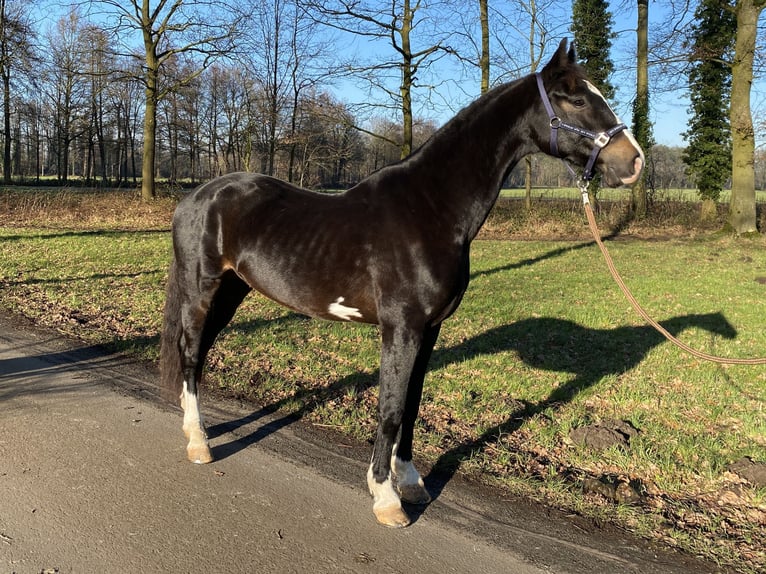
(392, 251)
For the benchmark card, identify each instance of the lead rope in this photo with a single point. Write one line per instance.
(637, 306)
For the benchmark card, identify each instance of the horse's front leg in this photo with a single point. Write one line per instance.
(408, 480)
(400, 348)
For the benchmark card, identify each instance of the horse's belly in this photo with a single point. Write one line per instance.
(316, 294)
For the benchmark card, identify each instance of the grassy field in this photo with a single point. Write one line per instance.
(543, 344)
(620, 194)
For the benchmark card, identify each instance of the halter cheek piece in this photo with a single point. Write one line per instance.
(600, 139)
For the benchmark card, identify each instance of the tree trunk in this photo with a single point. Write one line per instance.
(6, 74)
(641, 126)
(150, 115)
(742, 206)
(528, 182)
(484, 58)
(407, 81)
(150, 124)
(532, 69)
(7, 169)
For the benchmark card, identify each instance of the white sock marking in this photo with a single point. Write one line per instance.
(383, 494)
(405, 472)
(342, 311)
(193, 427)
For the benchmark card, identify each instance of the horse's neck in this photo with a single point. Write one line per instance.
(460, 170)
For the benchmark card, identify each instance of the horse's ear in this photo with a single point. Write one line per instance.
(561, 59)
(572, 54)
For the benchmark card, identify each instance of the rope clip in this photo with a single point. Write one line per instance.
(582, 183)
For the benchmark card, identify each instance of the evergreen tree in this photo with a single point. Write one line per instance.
(708, 155)
(592, 28)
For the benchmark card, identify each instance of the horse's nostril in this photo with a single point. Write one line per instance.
(638, 165)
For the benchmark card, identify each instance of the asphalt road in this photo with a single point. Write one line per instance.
(94, 479)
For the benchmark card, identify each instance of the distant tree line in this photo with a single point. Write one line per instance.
(84, 120)
(249, 85)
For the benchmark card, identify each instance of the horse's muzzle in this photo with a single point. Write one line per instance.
(638, 165)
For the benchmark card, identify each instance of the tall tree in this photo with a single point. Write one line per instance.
(708, 155)
(534, 59)
(592, 24)
(16, 56)
(394, 23)
(174, 27)
(592, 29)
(642, 126)
(742, 217)
(484, 57)
(66, 88)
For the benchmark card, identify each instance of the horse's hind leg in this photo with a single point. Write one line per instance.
(408, 480)
(203, 317)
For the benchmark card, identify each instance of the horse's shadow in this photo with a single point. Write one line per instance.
(543, 343)
(564, 346)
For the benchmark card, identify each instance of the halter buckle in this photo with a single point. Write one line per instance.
(583, 185)
(601, 140)
(555, 122)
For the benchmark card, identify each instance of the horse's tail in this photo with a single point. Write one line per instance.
(171, 373)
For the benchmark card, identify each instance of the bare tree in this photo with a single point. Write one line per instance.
(203, 28)
(65, 88)
(16, 56)
(642, 127)
(393, 23)
(484, 61)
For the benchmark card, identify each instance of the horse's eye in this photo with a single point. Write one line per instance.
(578, 102)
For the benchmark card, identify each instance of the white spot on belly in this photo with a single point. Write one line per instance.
(342, 311)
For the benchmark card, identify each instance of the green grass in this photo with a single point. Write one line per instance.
(544, 342)
(619, 194)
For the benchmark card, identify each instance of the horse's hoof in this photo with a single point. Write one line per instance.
(414, 494)
(199, 454)
(392, 516)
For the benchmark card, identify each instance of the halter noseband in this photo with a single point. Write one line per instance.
(600, 139)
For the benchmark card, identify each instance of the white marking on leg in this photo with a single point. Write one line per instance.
(405, 472)
(342, 311)
(383, 493)
(408, 480)
(197, 449)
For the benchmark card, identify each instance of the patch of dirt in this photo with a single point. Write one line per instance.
(751, 471)
(604, 435)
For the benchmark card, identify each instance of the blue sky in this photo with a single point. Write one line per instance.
(454, 89)
(668, 91)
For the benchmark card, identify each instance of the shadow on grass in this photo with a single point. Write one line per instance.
(43, 234)
(543, 343)
(552, 253)
(93, 277)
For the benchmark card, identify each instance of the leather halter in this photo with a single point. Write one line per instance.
(600, 139)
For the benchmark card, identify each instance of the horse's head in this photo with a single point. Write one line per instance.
(580, 127)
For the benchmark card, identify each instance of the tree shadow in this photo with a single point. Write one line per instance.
(31, 374)
(69, 280)
(552, 253)
(87, 233)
